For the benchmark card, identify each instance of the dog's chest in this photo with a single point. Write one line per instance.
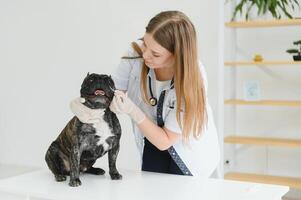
(102, 130)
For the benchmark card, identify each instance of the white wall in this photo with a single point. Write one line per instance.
(47, 47)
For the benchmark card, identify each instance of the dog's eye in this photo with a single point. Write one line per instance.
(91, 80)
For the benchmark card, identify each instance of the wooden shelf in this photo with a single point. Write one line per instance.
(267, 179)
(282, 142)
(263, 23)
(273, 63)
(263, 102)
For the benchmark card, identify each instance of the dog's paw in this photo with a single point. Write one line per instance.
(96, 171)
(60, 178)
(99, 171)
(116, 176)
(75, 182)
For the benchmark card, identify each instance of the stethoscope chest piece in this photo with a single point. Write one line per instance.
(153, 101)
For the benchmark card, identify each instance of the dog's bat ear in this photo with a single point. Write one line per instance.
(88, 73)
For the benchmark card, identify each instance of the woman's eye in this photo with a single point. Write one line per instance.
(156, 56)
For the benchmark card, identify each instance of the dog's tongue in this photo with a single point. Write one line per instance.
(99, 92)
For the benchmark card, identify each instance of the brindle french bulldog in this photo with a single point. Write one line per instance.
(79, 145)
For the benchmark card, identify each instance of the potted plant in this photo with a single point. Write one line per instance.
(296, 51)
(275, 7)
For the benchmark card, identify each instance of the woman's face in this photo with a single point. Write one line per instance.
(155, 56)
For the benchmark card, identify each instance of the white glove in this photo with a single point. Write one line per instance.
(122, 104)
(114, 108)
(85, 114)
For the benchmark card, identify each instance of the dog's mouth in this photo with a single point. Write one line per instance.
(99, 92)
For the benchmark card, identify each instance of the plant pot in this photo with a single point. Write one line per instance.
(297, 58)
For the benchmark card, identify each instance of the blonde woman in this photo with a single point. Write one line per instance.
(162, 87)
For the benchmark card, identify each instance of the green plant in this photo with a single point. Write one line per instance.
(275, 7)
(297, 51)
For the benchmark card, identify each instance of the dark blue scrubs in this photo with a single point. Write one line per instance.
(154, 160)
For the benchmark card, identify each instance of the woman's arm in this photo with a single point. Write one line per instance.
(122, 73)
(162, 138)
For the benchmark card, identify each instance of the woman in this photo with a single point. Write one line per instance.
(166, 98)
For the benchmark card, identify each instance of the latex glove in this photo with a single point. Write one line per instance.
(114, 107)
(85, 114)
(123, 104)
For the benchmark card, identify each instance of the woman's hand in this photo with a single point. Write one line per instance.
(85, 114)
(122, 104)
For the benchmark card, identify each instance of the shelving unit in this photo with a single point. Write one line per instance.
(292, 182)
(263, 141)
(263, 23)
(270, 63)
(267, 179)
(263, 102)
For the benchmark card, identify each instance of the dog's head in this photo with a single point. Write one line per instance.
(98, 90)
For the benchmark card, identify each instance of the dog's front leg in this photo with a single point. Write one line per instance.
(74, 167)
(112, 162)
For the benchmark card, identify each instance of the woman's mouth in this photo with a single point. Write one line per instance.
(148, 63)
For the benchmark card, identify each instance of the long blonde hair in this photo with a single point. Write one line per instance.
(174, 31)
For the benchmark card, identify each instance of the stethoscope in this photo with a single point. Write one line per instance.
(153, 100)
